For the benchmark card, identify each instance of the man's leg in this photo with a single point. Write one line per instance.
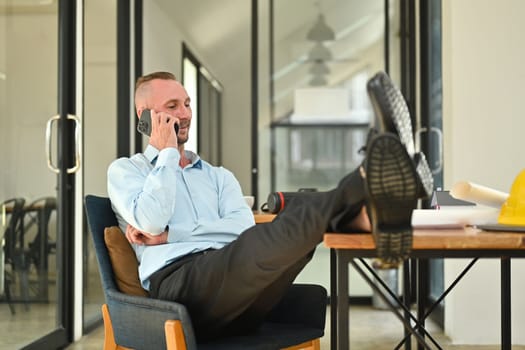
(391, 209)
(256, 313)
(220, 286)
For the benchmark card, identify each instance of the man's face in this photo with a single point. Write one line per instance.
(170, 97)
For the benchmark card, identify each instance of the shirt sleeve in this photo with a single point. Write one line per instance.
(143, 194)
(233, 210)
(234, 207)
(234, 215)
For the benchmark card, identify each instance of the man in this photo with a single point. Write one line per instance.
(195, 237)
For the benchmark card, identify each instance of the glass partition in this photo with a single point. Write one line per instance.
(314, 112)
(34, 296)
(28, 95)
(315, 117)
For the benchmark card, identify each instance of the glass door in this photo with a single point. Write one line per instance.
(315, 112)
(39, 139)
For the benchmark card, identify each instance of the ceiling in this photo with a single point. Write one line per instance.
(220, 32)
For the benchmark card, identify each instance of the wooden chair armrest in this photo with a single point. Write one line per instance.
(314, 344)
(109, 336)
(174, 335)
(173, 329)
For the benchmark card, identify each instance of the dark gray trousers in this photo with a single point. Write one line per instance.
(232, 289)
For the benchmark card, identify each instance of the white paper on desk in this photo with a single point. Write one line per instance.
(430, 218)
(479, 194)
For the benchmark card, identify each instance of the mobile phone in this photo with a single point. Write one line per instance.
(144, 125)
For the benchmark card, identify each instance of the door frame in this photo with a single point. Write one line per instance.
(69, 13)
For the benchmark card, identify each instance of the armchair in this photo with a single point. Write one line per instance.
(144, 323)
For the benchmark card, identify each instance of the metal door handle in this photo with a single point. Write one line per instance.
(78, 126)
(439, 134)
(2, 263)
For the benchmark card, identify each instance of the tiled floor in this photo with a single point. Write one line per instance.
(370, 329)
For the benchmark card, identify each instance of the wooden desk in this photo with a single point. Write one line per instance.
(458, 243)
(261, 217)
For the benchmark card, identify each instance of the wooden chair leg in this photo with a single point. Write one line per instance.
(174, 335)
(309, 345)
(109, 337)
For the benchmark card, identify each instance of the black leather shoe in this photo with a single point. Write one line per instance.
(392, 115)
(392, 186)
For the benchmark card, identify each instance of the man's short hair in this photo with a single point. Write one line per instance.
(152, 76)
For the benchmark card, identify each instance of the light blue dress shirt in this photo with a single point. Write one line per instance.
(202, 205)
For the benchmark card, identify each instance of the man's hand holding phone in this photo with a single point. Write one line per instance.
(161, 127)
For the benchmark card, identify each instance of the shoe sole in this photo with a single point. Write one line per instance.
(392, 192)
(391, 109)
(424, 175)
(393, 116)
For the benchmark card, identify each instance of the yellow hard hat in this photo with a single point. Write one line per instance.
(513, 210)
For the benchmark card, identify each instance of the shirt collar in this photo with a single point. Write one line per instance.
(194, 158)
(151, 154)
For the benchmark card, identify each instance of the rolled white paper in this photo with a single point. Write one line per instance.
(478, 194)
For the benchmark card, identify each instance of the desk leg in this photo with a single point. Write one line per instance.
(422, 293)
(43, 269)
(506, 336)
(343, 325)
(333, 299)
(407, 301)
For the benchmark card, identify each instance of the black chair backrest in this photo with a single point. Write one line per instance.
(15, 226)
(39, 211)
(100, 215)
(37, 214)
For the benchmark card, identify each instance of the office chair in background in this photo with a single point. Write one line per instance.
(13, 214)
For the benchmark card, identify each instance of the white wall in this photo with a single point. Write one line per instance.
(232, 67)
(483, 122)
(162, 41)
(163, 51)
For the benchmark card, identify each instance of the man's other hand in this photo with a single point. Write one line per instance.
(143, 238)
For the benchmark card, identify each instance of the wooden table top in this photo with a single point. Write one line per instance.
(262, 217)
(436, 239)
(467, 238)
